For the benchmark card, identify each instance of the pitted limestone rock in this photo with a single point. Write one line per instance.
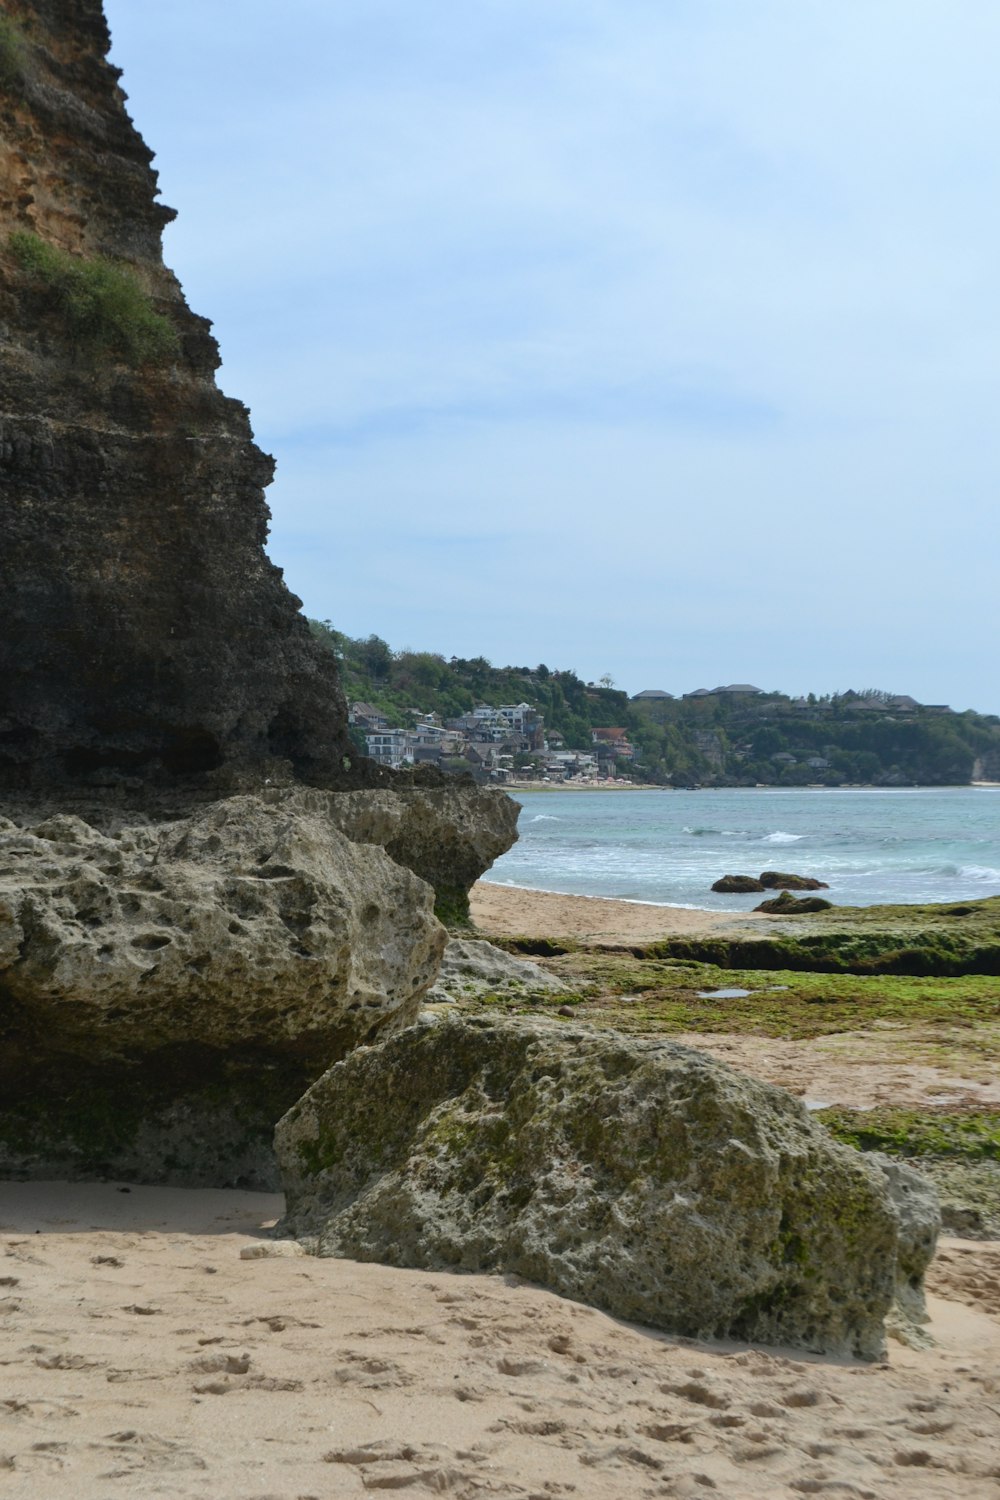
(919, 1209)
(241, 925)
(169, 989)
(472, 967)
(639, 1176)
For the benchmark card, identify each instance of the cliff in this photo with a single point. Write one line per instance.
(145, 633)
(184, 947)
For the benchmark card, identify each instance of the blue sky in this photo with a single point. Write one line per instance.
(651, 337)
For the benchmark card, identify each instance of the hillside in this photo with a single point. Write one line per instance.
(716, 737)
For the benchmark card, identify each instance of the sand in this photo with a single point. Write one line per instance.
(144, 1357)
(510, 911)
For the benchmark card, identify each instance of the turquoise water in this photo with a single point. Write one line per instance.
(668, 847)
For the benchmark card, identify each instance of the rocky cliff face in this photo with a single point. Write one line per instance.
(145, 633)
(174, 969)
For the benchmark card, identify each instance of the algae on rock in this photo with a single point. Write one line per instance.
(639, 1176)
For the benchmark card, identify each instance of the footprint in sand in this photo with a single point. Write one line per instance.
(227, 1364)
(428, 1467)
(371, 1374)
(699, 1393)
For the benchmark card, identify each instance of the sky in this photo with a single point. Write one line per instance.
(651, 338)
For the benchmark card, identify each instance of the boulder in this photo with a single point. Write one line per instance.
(232, 954)
(786, 905)
(779, 880)
(919, 1209)
(639, 1176)
(448, 835)
(738, 884)
(472, 967)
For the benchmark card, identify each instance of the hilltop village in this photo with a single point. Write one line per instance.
(518, 724)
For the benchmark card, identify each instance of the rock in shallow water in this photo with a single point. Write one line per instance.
(641, 1177)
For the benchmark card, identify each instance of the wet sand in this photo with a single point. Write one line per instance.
(511, 911)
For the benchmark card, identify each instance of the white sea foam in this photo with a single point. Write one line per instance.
(778, 837)
(545, 818)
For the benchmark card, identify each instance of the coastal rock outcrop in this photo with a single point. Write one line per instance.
(639, 1176)
(448, 834)
(741, 885)
(216, 962)
(781, 880)
(472, 967)
(918, 1206)
(787, 905)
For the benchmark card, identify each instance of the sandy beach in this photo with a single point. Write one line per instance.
(145, 1356)
(510, 911)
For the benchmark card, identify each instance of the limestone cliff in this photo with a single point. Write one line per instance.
(145, 633)
(174, 969)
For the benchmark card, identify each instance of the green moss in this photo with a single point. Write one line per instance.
(654, 997)
(536, 947)
(452, 909)
(905, 1132)
(12, 54)
(319, 1155)
(101, 305)
(917, 940)
(93, 1125)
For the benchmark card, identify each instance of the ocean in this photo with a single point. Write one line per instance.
(667, 847)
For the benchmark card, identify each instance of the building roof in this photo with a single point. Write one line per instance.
(651, 693)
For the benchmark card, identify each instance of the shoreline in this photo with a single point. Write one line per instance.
(519, 911)
(577, 784)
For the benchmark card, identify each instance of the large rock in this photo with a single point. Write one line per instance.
(639, 1176)
(782, 880)
(170, 979)
(448, 835)
(919, 1208)
(472, 968)
(147, 969)
(787, 905)
(740, 885)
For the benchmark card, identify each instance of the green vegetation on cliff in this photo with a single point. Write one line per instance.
(719, 738)
(11, 53)
(101, 304)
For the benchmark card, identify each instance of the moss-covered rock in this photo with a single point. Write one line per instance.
(927, 939)
(639, 1176)
(787, 905)
(782, 880)
(737, 885)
